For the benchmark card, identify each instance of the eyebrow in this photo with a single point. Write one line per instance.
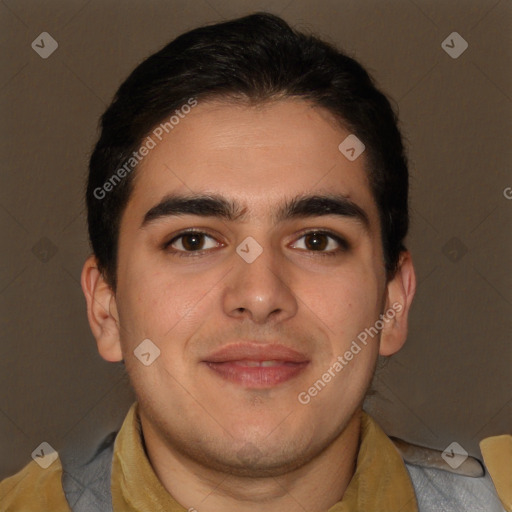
(211, 205)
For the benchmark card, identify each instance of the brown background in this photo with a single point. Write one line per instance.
(451, 382)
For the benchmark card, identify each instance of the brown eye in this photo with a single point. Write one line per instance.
(316, 241)
(322, 242)
(192, 241)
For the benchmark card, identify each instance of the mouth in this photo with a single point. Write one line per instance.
(257, 366)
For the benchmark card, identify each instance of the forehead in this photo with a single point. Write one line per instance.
(255, 155)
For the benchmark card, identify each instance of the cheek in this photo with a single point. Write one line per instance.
(164, 305)
(346, 301)
(350, 305)
(168, 309)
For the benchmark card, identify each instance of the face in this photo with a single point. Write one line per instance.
(251, 308)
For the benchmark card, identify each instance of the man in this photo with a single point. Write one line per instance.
(247, 207)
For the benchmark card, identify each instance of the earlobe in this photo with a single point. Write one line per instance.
(400, 293)
(101, 311)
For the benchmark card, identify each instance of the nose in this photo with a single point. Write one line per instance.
(259, 290)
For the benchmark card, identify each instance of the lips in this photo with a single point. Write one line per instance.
(255, 365)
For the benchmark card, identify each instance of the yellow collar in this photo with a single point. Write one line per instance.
(380, 482)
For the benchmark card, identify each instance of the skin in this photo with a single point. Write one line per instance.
(216, 445)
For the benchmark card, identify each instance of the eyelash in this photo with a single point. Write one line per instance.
(344, 245)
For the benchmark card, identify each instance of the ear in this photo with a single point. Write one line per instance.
(400, 292)
(101, 311)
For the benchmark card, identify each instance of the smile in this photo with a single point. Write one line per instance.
(257, 374)
(257, 365)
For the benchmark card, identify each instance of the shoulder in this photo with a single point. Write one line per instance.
(34, 489)
(441, 491)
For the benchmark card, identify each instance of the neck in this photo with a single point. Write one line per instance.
(315, 487)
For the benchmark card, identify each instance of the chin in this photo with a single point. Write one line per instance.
(251, 461)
